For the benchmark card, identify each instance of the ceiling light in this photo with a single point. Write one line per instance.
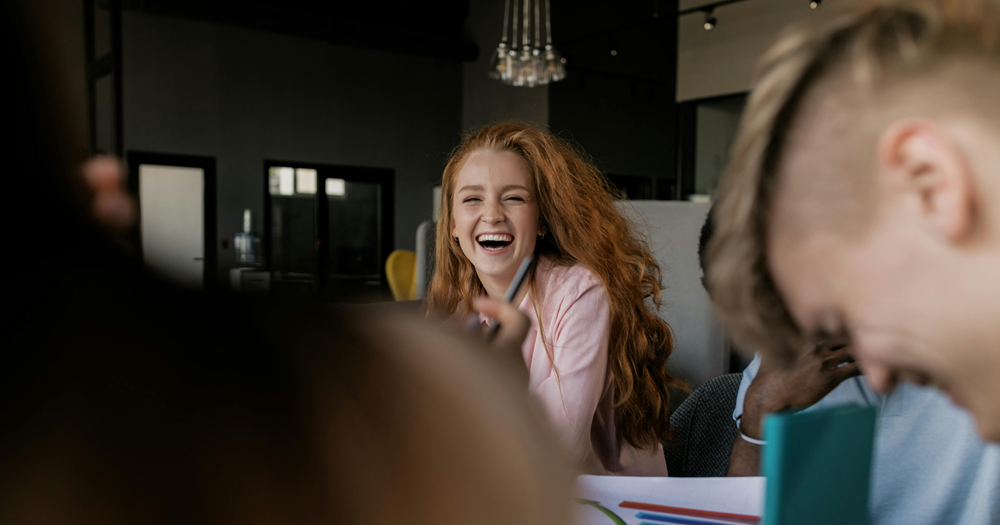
(710, 20)
(814, 4)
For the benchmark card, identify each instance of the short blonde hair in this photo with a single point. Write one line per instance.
(879, 43)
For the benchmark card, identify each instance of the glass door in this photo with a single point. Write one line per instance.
(354, 212)
(293, 238)
(328, 230)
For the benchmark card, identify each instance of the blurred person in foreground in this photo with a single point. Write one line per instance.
(127, 401)
(863, 199)
(957, 476)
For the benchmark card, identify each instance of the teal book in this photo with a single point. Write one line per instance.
(818, 466)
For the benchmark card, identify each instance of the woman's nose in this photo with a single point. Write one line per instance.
(492, 213)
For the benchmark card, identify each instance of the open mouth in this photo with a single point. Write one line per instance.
(493, 242)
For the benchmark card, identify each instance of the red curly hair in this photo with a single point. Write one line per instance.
(584, 227)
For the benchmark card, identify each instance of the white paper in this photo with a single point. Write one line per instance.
(743, 495)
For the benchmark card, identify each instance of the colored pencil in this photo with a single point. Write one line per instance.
(662, 518)
(739, 518)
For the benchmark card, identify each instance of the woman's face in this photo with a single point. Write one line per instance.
(495, 215)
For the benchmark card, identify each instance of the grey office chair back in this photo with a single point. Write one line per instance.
(704, 430)
(426, 237)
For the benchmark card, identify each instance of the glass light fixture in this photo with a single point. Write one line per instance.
(554, 61)
(500, 62)
(537, 58)
(532, 65)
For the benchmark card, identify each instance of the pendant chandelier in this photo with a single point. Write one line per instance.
(533, 65)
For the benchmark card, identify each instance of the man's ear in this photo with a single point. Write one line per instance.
(925, 163)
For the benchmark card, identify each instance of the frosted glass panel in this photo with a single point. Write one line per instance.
(281, 181)
(305, 181)
(336, 187)
(171, 201)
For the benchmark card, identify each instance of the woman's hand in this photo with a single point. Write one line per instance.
(111, 204)
(512, 331)
(513, 324)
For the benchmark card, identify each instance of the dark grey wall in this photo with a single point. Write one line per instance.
(617, 100)
(243, 96)
(625, 125)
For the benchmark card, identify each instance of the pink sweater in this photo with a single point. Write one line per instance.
(578, 393)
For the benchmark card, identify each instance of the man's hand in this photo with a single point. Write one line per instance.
(814, 375)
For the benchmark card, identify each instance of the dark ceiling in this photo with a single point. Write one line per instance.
(433, 28)
(586, 31)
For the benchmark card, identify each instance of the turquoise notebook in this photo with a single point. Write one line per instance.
(818, 466)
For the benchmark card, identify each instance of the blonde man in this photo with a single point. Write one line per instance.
(863, 199)
(863, 204)
(930, 467)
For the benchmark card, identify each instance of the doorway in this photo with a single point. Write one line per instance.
(707, 128)
(176, 232)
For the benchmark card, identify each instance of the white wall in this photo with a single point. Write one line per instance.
(721, 62)
(242, 96)
(700, 351)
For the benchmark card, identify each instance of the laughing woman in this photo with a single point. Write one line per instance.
(596, 351)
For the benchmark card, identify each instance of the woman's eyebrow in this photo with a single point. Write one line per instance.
(470, 188)
(514, 187)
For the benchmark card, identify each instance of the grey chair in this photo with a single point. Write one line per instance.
(704, 430)
(426, 238)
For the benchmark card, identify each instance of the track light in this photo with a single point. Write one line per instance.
(710, 20)
(814, 4)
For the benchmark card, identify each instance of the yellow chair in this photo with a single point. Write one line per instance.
(401, 272)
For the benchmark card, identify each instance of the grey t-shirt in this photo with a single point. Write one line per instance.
(929, 466)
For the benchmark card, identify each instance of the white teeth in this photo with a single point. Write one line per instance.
(496, 237)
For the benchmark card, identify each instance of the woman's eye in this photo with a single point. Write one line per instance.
(471, 199)
(515, 199)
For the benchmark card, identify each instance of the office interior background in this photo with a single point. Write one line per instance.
(290, 147)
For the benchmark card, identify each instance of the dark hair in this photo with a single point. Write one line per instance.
(704, 238)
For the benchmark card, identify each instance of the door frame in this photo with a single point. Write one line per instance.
(687, 138)
(207, 165)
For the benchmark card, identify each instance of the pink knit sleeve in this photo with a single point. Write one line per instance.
(578, 323)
